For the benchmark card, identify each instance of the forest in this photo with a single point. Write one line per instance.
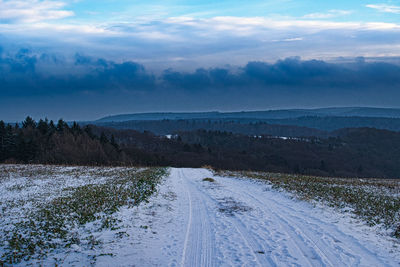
(351, 152)
(318, 126)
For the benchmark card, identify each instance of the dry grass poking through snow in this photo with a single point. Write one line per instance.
(376, 201)
(43, 207)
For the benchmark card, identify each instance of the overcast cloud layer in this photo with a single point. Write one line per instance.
(28, 74)
(174, 35)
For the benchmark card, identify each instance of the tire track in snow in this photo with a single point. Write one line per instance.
(317, 224)
(371, 259)
(189, 224)
(249, 240)
(199, 245)
(281, 213)
(297, 242)
(299, 238)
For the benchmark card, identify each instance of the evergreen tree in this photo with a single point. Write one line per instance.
(29, 122)
(76, 129)
(2, 132)
(9, 143)
(43, 126)
(2, 136)
(51, 125)
(62, 125)
(26, 147)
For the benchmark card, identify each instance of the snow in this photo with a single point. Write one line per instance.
(242, 222)
(171, 136)
(224, 221)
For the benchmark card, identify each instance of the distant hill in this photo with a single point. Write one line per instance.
(331, 123)
(269, 114)
(360, 112)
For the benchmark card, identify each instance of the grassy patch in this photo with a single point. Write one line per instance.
(376, 201)
(211, 180)
(54, 224)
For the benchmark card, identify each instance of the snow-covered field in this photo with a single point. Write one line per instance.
(55, 215)
(219, 221)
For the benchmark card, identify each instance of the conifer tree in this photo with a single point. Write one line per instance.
(62, 125)
(43, 126)
(2, 135)
(76, 129)
(29, 122)
(52, 127)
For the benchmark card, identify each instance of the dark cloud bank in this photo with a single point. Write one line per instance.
(289, 82)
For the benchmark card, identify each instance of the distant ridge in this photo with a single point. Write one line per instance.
(268, 114)
(160, 116)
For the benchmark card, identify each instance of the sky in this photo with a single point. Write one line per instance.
(84, 59)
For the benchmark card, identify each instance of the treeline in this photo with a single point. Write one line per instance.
(239, 126)
(362, 152)
(50, 143)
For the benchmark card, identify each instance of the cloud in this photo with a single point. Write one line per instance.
(191, 43)
(238, 24)
(291, 74)
(176, 28)
(385, 8)
(29, 74)
(30, 11)
(293, 39)
(26, 73)
(330, 14)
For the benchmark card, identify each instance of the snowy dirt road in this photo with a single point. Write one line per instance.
(243, 222)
